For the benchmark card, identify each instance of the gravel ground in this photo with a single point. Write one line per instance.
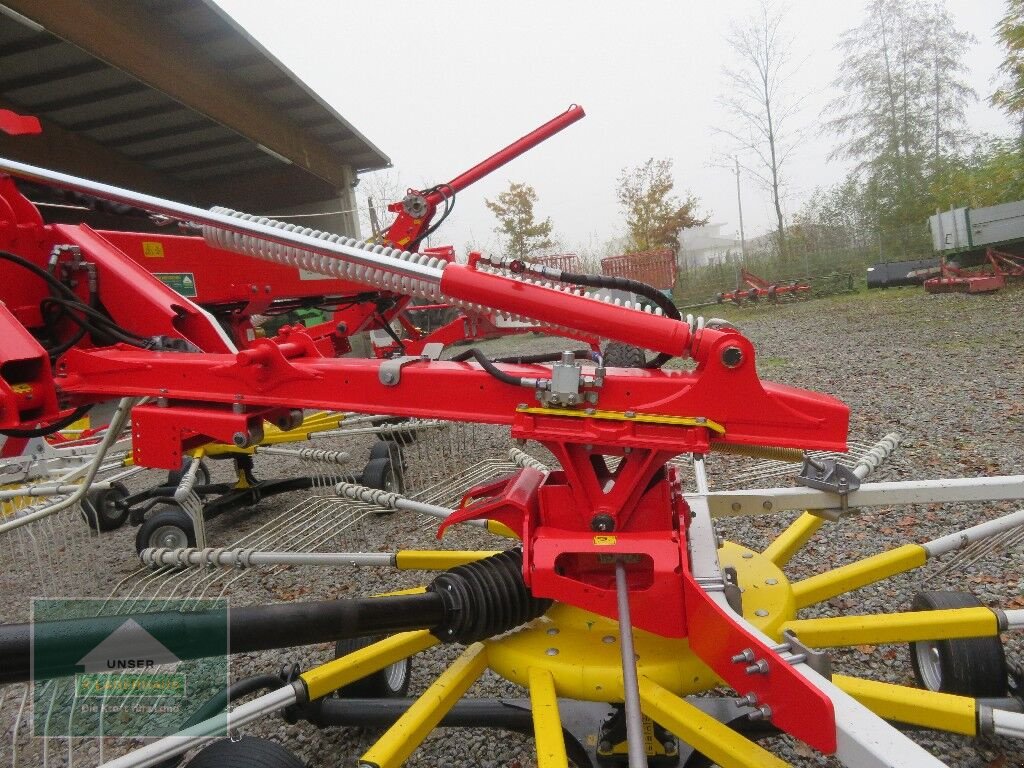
(945, 371)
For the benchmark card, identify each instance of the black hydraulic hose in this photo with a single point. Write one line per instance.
(237, 690)
(253, 628)
(488, 366)
(49, 429)
(633, 286)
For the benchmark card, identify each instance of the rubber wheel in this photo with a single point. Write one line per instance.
(101, 509)
(202, 476)
(972, 666)
(390, 682)
(719, 298)
(388, 449)
(379, 473)
(247, 752)
(617, 355)
(169, 527)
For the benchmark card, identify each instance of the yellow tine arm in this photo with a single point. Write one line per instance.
(847, 578)
(928, 709)
(789, 542)
(547, 723)
(334, 674)
(401, 739)
(436, 559)
(906, 627)
(704, 733)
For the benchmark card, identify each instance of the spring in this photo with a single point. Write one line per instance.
(379, 276)
(485, 598)
(768, 452)
(366, 495)
(874, 458)
(523, 459)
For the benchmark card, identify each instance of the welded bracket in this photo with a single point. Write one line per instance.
(831, 476)
(390, 371)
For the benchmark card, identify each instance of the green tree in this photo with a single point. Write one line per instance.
(901, 114)
(1010, 33)
(517, 223)
(654, 215)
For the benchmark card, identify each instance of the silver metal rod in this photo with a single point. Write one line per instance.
(243, 558)
(190, 213)
(392, 500)
(766, 501)
(1008, 723)
(1014, 618)
(630, 685)
(169, 746)
(960, 539)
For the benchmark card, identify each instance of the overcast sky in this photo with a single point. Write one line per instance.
(438, 86)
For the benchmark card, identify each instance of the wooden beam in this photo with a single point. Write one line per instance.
(61, 150)
(145, 47)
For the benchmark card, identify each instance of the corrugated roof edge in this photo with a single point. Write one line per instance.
(228, 19)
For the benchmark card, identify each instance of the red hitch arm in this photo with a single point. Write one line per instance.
(511, 152)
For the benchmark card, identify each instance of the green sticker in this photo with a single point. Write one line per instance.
(146, 674)
(182, 282)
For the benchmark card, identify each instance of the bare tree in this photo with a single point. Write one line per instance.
(373, 195)
(764, 112)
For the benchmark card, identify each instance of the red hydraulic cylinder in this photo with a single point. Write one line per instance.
(559, 308)
(511, 152)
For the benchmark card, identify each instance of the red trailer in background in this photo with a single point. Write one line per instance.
(656, 268)
(990, 278)
(567, 262)
(758, 288)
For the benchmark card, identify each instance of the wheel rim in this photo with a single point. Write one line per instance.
(396, 674)
(929, 664)
(168, 537)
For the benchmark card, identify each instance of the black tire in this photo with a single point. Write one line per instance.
(167, 527)
(617, 355)
(102, 509)
(719, 298)
(388, 449)
(390, 682)
(247, 752)
(202, 476)
(971, 666)
(380, 473)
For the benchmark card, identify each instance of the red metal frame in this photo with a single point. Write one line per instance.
(657, 268)
(990, 278)
(574, 523)
(758, 288)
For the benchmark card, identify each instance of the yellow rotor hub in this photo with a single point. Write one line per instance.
(581, 649)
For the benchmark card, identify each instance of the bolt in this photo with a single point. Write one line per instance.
(748, 555)
(551, 652)
(602, 523)
(764, 712)
(736, 506)
(747, 654)
(761, 612)
(522, 407)
(767, 506)
(608, 639)
(771, 582)
(759, 667)
(669, 746)
(746, 701)
(240, 439)
(732, 357)
(701, 420)
(604, 746)
(387, 377)
(590, 411)
(553, 631)
(630, 414)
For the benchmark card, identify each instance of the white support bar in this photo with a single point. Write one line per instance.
(1014, 619)
(961, 539)
(1008, 723)
(170, 746)
(766, 501)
